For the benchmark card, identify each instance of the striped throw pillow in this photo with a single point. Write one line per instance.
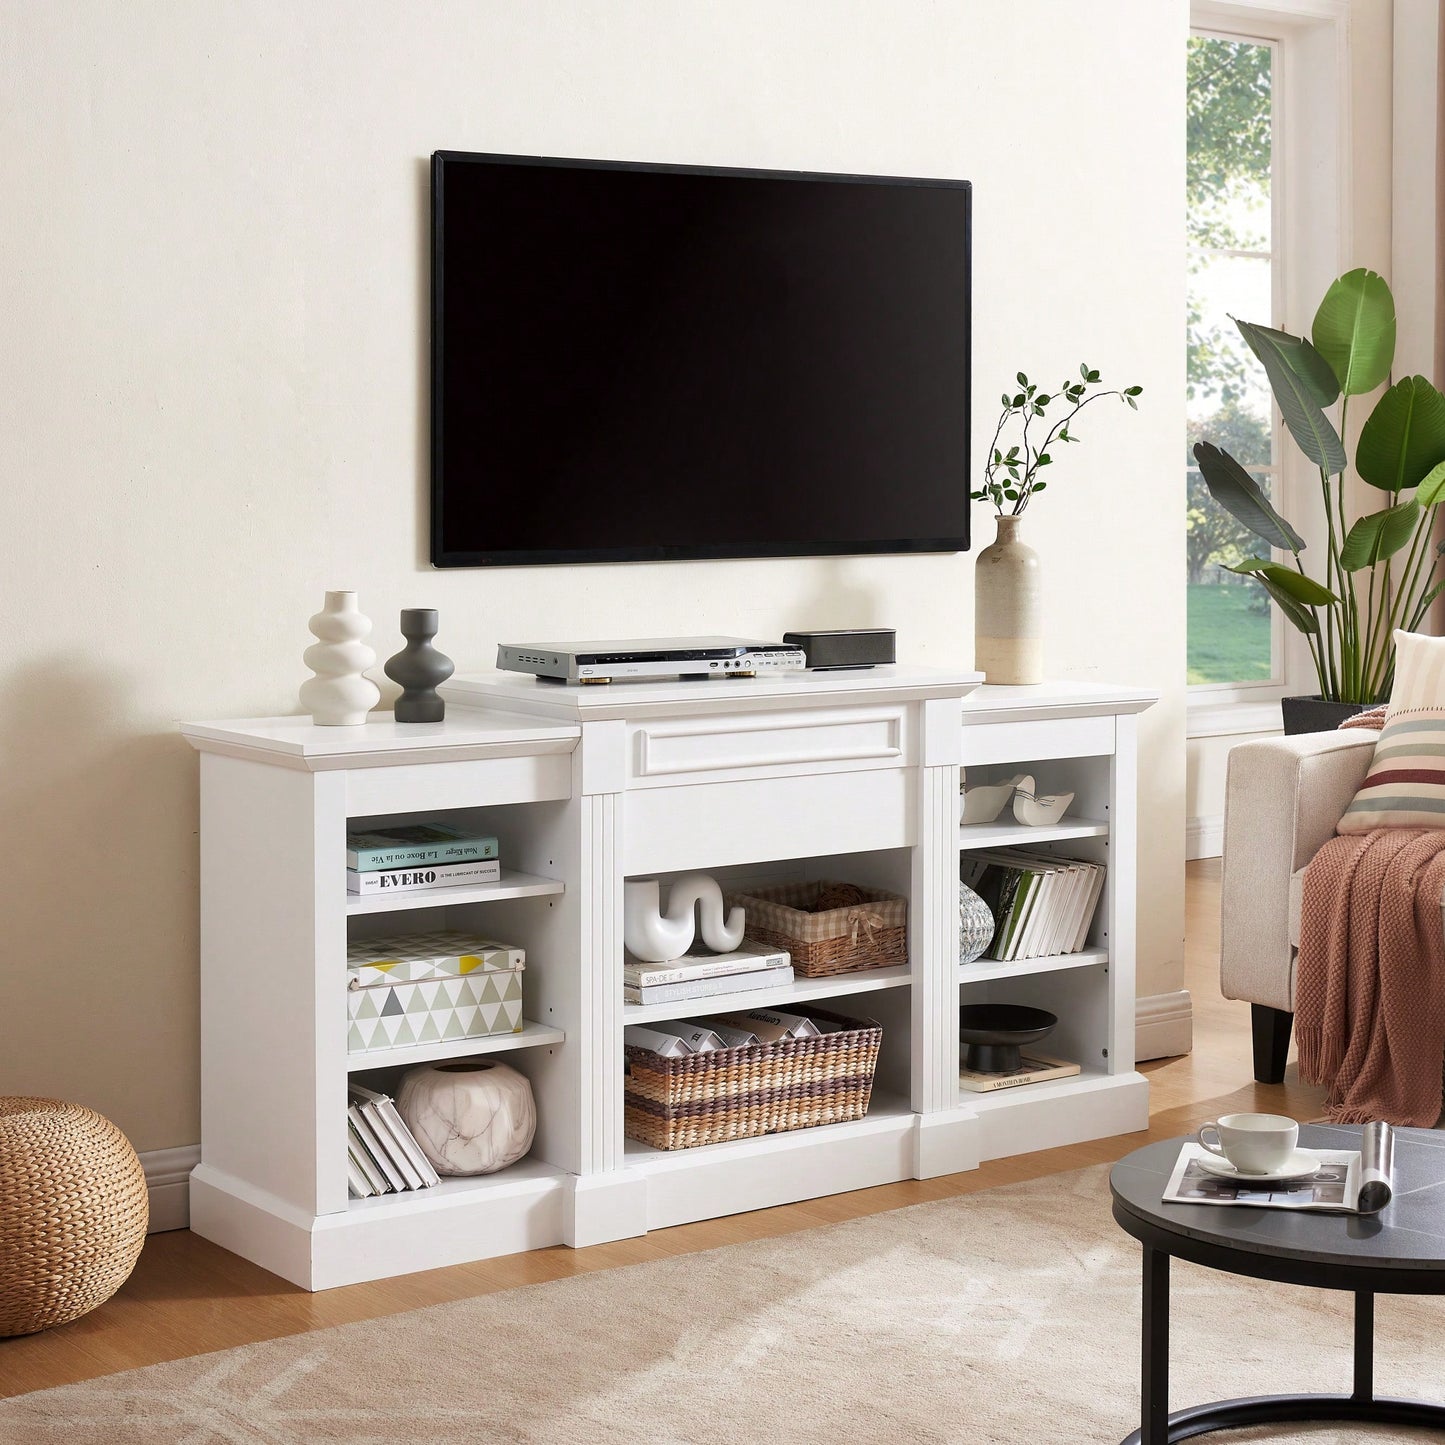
(1405, 787)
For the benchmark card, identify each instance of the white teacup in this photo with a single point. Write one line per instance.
(1253, 1143)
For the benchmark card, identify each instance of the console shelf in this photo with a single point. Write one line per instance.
(511, 884)
(984, 970)
(852, 776)
(527, 1176)
(1019, 835)
(531, 1035)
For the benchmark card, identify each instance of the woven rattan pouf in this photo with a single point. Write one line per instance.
(73, 1212)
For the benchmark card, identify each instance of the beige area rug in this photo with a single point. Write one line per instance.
(1007, 1317)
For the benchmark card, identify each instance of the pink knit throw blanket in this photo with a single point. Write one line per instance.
(1370, 980)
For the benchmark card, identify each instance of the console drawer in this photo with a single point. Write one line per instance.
(673, 752)
(1035, 741)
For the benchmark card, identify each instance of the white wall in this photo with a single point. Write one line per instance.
(213, 396)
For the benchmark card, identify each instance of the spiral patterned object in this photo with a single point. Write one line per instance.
(975, 924)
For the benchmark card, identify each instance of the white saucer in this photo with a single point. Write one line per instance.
(1300, 1165)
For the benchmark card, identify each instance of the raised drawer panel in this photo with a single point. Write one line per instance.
(1018, 742)
(667, 753)
(758, 820)
(427, 787)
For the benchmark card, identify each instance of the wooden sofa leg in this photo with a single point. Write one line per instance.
(1271, 1042)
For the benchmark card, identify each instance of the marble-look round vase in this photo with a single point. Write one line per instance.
(1008, 644)
(470, 1116)
(419, 668)
(339, 695)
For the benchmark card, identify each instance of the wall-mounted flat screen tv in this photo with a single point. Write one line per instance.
(652, 362)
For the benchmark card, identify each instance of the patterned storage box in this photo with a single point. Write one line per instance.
(420, 988)
(828, 927)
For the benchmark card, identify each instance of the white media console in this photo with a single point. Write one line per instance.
(852, 775)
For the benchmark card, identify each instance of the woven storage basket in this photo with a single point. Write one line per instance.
(73, 1212)
(872, 933)
(761, 1089)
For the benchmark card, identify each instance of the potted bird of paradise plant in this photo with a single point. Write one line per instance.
(1380, 569)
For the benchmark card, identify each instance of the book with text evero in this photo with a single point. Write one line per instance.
(427, 875)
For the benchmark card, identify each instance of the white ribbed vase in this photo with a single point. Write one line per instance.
(975, 924)
(339, 695)
(1008, 643)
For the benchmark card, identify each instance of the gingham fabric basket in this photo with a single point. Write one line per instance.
(760, 1089)
(871, 933)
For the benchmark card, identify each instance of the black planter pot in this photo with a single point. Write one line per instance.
(1315, 715)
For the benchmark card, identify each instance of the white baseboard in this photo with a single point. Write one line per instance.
(168, 1182)
(1204, 837)
(1163, 1025)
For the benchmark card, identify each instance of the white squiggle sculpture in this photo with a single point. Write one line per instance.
(656, 937)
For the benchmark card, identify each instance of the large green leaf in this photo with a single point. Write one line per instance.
(1423, 606)
(1404, 438)
(1432, 486)
(1354, 330)
(1301, 357)
(1379, 535)
(1239, 494)
(1302, 588)
(1300, 616)
(1307, 423)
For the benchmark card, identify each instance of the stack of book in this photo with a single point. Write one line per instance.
(410, 856)
(705, 975)
(1042, 904)
(382, 1156)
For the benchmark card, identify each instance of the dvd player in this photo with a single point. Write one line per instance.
(686, 657)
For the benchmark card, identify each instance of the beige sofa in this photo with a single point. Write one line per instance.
(1283, 797)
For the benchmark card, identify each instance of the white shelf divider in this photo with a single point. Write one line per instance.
(800, 990)
(512, 884)
(532, 1034)
(984, 969)
(1020, 835)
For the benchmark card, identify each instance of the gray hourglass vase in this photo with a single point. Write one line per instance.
(419, 668)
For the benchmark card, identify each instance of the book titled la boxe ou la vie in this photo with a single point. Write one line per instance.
(409, 845)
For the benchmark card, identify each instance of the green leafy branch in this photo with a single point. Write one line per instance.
(1011, 474)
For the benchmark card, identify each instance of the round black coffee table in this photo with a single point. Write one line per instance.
(1401, 1250)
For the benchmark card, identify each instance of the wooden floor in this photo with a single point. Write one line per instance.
(187, 1296)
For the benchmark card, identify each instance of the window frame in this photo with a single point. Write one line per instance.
(1275, 686)
(1310, 233)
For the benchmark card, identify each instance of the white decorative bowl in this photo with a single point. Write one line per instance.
(1039, 810)
(983, 802)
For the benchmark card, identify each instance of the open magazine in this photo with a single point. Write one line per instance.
(1347, 1181)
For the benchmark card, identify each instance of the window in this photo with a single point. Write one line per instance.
(1235, 270)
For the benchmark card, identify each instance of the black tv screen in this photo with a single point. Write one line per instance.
(647, 362)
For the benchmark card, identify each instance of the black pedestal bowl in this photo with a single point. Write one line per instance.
(993, 1033)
